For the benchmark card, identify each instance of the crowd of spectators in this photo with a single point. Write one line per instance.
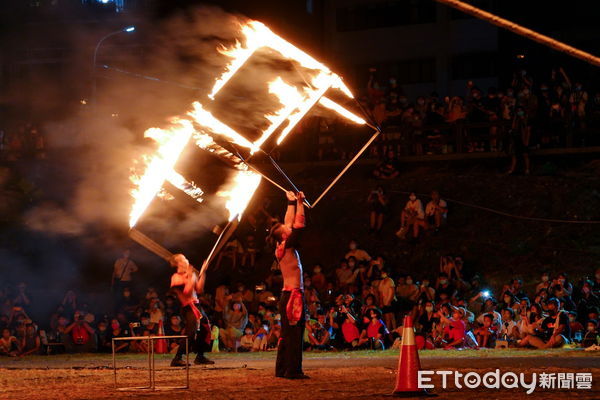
(532, 112)
(357, 304)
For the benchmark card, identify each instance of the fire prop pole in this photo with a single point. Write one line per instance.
(337, 178)
(221, 240)
(149, 244)
(522, 31)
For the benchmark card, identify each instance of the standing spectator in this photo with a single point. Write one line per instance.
(413, 215)
(387, 299)
(519, 144)
(122, 273)
(436, 210)
(378, 202)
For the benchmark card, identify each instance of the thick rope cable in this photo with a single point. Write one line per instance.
(522, 31)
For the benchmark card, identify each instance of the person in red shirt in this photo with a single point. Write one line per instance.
(375, 331)
(455, 330)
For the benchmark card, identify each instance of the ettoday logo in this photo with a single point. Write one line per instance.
(507, 380)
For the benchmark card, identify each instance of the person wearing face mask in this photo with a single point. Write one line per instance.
(346, 273)
(319, 281)
(587, 299)
(427, 319)
(555, 330)
(520, 133)
(235, 317)
(387, 299)
(544, 282)
(413, 215)
(591, 336)
(356, 252)
(117, 332)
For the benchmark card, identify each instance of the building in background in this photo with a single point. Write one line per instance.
(425, 46)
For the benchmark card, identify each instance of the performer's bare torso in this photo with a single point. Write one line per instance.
(178, 283)
(291, 270)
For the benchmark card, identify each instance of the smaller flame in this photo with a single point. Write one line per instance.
(332, 105)
(239, 193)
(185, 186)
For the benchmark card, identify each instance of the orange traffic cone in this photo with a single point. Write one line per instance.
(407, 383)
(161, 344)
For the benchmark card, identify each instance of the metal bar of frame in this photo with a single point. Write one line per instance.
(151, 361)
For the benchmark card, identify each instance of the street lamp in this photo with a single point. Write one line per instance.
(127, 29)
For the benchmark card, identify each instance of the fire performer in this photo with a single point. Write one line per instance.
(186, 283)
(291, 305)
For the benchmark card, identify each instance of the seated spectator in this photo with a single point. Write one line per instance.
(103, 337)
(436, 210)
(318, 279)
(486, 334)
(544, 282)
(81, 336)
(117, 332)
(509, 330)
(413, 216)
(246, 341)
(591, 335)
(407, 292)
(455, 328)
(235, 317)
(374, 334)
(378, 204)
(345, 274)
(555, 330)
(350, 332)
(31, 343)
(9, 345)
(357, 253)
(577, 329)
(274, 335)
(318, 335)
(387, 168)
(426, 321)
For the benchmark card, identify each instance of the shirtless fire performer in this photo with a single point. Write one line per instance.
(186, 283)
(291, 305)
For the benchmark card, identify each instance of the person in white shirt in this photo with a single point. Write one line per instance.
(436, 210)
(412, 215)
(122, 273)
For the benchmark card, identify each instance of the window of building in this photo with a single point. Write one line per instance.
(370, 15)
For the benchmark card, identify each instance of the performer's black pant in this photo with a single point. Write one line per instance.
(199, 339)
(289, 350)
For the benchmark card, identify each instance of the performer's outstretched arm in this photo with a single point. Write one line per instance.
(299, 221)
(291, 209)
